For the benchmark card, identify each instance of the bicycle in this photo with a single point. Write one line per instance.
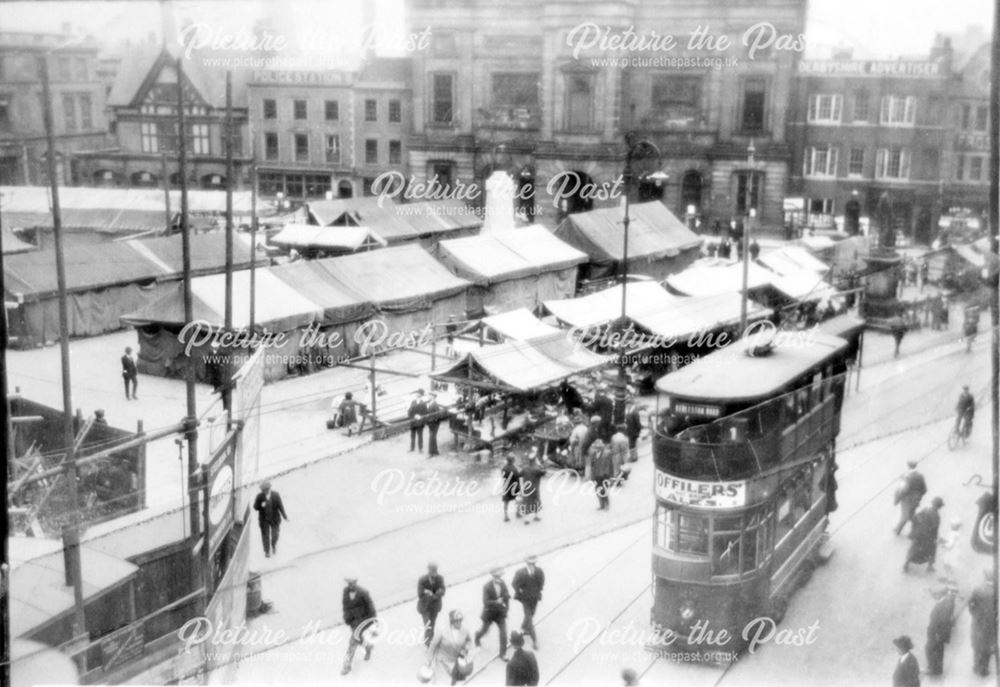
(959, 433)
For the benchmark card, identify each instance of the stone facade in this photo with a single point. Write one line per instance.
(534, 88)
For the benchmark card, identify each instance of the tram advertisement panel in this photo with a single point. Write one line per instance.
(701, 494)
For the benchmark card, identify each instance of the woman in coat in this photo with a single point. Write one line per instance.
(530, 489)
(448, 646)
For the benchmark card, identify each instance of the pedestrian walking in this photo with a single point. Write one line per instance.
(633, 424)
(510, 482)
(909, 494)
(496, 602)
(600, 466)
(907, 671)
(754, 249)
(528, 584)
(522, 669)
(924, 536)
(433, 422)
(270, 512)
(430, 591)
(130, 374)
(530, 489)
(618, 448)
(898, 329)
(983, 611)
(359, 616)
(939, 628)
(449, 649)
(416, 413)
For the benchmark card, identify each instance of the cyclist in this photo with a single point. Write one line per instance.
(966, 408)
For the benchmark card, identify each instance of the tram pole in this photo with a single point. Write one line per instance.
(745, 239)
(993, 281)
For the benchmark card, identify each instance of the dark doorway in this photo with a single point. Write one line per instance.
(582, 187)
(852, 217)
(345, 190)
(691, 191)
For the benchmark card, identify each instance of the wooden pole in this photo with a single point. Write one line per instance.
(227, 391)
(71, 534)
(993, 279)
(167, 218)
(191, 421)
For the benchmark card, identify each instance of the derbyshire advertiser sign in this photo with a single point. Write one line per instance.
(874, 68)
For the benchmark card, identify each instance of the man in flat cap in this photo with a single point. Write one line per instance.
(270, 511)
(528, 583)
(359, 616)
(496, 602)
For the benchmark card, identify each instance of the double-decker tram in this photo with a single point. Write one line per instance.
(744, 453)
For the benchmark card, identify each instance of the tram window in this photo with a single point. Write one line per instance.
(665, 520)
(693, 535)
(726, 553)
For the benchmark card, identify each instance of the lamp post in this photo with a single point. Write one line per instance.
(634, 147)
(751, 211)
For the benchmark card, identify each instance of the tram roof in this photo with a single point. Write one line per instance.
(730, 375)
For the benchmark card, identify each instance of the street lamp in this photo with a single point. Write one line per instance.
(658, 177)
(751, 213)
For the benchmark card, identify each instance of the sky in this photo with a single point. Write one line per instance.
(873, 28)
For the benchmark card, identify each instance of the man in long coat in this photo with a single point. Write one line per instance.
(909, 495)
(496, 602)
(430, 590)
(359, 616)
(983, 611)
(939, 630)
(924, 536)
(270, 511)
(528, 584)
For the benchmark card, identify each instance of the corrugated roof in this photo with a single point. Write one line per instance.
(654, 233)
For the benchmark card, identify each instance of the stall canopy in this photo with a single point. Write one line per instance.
(278, 306)
(35, 199)
(32, 276)
(658, 242)
(711, 276)
(518, 324)
(687, 318)
(397, 278)
(338, 239)
(527, 251)
(605, 306)
(397, 223)
(12, 243)
(340, 304)
(791, 259)
(521, 366)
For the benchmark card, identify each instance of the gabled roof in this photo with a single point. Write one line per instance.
(602, 307)
(710, 276)
(506, 255)
(654, 233)
(141, 67)
(326, 238)
(518, 324)
(396, 223)
(689, 317)
(12, 244)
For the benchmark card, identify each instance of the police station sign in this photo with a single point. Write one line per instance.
(701, 494)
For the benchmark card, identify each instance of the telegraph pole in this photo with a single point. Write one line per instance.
(993, 281)
(191, 421)
(71, 529)
(227, 391)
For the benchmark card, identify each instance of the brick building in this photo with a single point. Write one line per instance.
(78, 104)
(143, 102)
(896, 143)
(331, 131)
(509, 86)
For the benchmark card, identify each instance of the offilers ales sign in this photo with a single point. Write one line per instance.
(701, 494)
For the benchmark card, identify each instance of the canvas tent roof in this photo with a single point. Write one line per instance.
(339, 303)
(711, 276)
(791, 259)
(279, 306)
(524, 365)
(331, 238)
(103, 202)
(695, 315)
(509, 254)
(398, 277)
(654, 233)
(396, 223)
(605, 306)
(13, 244)
(94, 266)
(518, 324)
